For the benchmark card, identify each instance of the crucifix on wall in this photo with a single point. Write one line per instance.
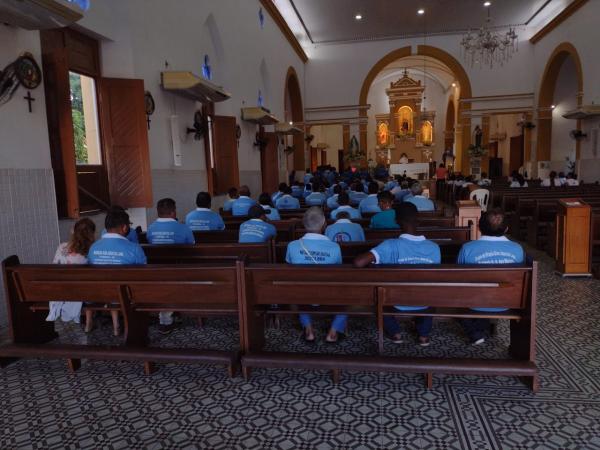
(29, 99)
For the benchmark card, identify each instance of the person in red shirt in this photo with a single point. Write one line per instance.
(440, 174)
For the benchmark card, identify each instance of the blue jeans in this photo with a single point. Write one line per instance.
(338, 324)
(423, 324)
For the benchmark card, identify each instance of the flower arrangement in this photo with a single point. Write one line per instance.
(476, 151)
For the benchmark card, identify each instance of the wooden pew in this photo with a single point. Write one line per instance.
(208, 253)
(136, 291)
(450, 290)
(437, 233)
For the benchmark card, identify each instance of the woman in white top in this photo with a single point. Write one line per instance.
(518, 181)
(74, 251)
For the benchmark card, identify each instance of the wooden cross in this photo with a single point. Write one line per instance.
(148, 120)
(29, 99)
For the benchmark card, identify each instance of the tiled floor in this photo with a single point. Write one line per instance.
(112, 405)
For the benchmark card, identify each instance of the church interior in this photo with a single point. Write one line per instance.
(440, 159)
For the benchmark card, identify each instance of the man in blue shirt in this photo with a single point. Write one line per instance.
(243, 203)
(271, 212)
(386, 219)
(357, 194)
(166, 229)
(286, 201)
(332, 201)
(391, 184)
(297, 190)
(114, 249)
(371, 203)
(343, 202)
(343, 230)
(307, 176)
(409, 248)
(256, 229)
(491, 248)
(279, 193)
(421, 202)
(314, 248)
(401, 192)
(317, 197)
(232, 196)
(203, 218)
(132, 236)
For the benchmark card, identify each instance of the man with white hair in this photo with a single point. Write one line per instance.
(315, 248)
(418, 199)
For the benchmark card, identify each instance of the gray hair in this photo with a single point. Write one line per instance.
(314, 219)
(416, 189)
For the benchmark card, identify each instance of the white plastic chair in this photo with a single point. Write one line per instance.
(482, 196)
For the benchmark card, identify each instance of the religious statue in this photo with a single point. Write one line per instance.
(478, 133)
(448, 157)
(382, 136)
(405, 117)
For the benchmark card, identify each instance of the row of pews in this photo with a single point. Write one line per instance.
(220, 277)
(532, 214)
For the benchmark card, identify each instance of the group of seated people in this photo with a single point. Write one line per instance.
(119, 246)
(554, 179)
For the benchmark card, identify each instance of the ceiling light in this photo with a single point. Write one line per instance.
(421, 12)
(453, 84)
(487, 4)
(358, 17)
(291, 123)
(553, 106)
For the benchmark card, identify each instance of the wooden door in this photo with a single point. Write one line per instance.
(226, 171)
(323, 157)
(340, 166)
(516, 153)
(125, 139)
(314, 158)
(269, 164)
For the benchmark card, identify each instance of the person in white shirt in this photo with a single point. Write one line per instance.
(518, 181)
(552, 181)
(485, 181)
(572, 180)
(562, 178)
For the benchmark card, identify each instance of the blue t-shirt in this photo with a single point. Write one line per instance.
(354, 213)
(384, 219)
(131, 237)
(241, 206)
(307, 177)
(114, 249)
(255, 230)
(271, 213)
(491, 250)
(228, 204)
(169, 231)
(276, 196)
(287, 202)
(313, 249)
(315, 199)
(422, 203)
(357, 197)
(407, 249)
(204, 219)
(332, 202)
(390, 185)
(369, 204)
(297, 191)
(345, 231)
(400, 194)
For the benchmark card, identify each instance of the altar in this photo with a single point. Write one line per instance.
(412, 170)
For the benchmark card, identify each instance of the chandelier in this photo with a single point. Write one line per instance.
(488, 47)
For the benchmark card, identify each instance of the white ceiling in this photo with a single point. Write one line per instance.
(329, 21)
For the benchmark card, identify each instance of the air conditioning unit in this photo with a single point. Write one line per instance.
(39, 14)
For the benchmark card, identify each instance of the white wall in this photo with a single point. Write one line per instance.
(244, 58)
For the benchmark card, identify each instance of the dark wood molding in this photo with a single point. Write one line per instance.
(285, 29)
(560, 18)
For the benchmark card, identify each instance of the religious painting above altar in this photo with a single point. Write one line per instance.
(407, 127)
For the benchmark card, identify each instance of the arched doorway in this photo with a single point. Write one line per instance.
(565, 56)
(294, 112)
(463, 124)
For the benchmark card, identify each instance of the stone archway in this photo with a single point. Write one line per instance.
(294, 112)
(546, 97)
(463, 132)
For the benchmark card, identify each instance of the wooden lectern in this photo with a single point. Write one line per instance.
(573, 256)
(468, 213)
